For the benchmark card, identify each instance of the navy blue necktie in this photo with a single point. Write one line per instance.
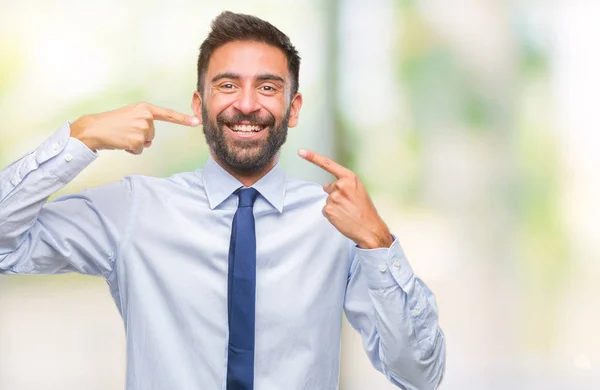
(241, 294)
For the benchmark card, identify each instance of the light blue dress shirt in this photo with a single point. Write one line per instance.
(162, 246)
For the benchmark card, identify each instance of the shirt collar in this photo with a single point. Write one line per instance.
(219, 184)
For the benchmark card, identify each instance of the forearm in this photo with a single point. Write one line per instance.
(411, 344)
(30, 181)
(398, 318)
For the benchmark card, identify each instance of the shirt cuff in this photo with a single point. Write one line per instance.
(385, 267)
(64, 156)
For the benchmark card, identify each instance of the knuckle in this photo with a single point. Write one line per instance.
(344, 187)
(142, 124)
(142, 110)
(335, 197)
(136, 141)
(139, 106)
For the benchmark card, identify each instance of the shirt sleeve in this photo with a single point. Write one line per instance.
(74, 233)
(397, 317)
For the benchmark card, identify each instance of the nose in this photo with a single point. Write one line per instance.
(247, 101)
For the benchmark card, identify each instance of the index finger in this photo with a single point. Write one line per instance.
(167, 115)
(325, 163)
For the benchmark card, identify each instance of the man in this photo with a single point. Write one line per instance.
(233, 276)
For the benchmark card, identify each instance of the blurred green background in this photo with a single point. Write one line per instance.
(473, 123)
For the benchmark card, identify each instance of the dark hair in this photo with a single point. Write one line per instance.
(230, 27)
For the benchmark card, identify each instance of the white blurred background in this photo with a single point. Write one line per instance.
(473, 123)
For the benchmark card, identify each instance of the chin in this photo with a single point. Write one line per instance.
(244, 162)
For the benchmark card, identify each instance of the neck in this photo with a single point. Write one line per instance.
(245, 177)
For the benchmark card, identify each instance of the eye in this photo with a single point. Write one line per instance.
(268, 88)
(227, 87)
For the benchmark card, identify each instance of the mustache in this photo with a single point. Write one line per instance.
(239, 117)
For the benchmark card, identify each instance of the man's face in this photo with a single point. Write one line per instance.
(246, 107)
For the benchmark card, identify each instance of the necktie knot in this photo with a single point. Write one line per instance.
(247, 197)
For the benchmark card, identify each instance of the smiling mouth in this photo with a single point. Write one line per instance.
(246, 128)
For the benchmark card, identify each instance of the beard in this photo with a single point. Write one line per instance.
(245, 155)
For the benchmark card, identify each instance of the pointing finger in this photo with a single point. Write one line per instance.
(167, 115)
(324, 163)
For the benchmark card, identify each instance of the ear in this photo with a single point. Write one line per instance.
(197, 105)
(296, 105)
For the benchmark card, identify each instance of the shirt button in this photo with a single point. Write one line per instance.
(68, 158)
(415, 312)
(397, 263)
(14, 181)
(55, 147)
(382, 268)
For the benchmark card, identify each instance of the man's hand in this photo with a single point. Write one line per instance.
(349, 207)
(129, 128)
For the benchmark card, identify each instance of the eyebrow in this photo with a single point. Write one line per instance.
(260, 77)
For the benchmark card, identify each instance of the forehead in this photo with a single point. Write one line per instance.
(248, 59)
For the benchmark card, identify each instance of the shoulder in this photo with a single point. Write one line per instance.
(181, 179)
(150, 187)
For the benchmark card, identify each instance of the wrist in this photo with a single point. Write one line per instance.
(380, 238)
(80, 130)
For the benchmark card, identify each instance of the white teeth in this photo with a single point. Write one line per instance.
(247, 128)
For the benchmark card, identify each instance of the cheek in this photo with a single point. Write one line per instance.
(219, 102)
(275, 108)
